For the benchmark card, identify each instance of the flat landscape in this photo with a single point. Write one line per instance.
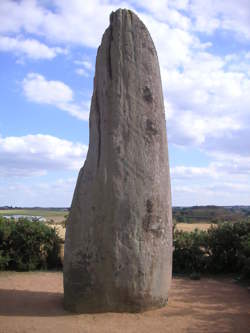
(57, 215)
(32, 302)
(188, 219)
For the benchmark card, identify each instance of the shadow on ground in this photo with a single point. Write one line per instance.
(31, 303)
(205, 306)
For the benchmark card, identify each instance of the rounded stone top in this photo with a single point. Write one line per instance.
(120, 14)
(122, 11)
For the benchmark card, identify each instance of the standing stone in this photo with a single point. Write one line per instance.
(118, 248)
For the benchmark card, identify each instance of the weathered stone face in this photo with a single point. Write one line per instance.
(118, 248)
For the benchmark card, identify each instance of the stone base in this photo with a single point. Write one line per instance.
(96, 306)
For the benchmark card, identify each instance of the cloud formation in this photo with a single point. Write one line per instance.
(39, 90)
(58, 192)
(31, 48)
(70, 21)
(207, 94)
(84, 67)
(38, 154)
(206, 88)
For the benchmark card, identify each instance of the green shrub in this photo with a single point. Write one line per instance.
(28, 245)
(223, 245)
(189, 251)
(222, 249)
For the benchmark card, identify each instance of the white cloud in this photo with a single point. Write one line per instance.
(194, 129)
(230, 15)
(70, 21)
(234, 164)
(85, 69)
(174, 45)
(18, 15)
(223, 181)
(37, 89)
(216, 194)
(209, 185)
(23, 194)
(82, 72)
(209, 100)
(31, 48)
(85, 63)
(37, 154)
(190, 172)
(164, 10)
(84, 22)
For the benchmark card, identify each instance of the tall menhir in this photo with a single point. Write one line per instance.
(118, 248)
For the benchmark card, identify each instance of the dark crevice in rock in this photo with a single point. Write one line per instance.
(149, 205)
(147, 94)
(109, 46)
(98, 129)
(151, 128)
(130, 13)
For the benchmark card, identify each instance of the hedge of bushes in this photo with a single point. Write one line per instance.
(221, 249)
(28, 245)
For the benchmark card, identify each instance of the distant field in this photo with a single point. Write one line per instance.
(59, 215)
(59, 229)
(192, 226)
(56, 215)
(180, 226)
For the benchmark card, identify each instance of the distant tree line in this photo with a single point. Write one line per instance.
(211, 214)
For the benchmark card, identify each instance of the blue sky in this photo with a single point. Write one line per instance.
(47, 60)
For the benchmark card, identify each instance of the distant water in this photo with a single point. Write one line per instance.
(28, 217)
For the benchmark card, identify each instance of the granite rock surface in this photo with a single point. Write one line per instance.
(118, 248)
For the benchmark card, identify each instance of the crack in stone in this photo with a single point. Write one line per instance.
(110, 45)
(98, 129)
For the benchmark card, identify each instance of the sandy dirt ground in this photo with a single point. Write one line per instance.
(32, 302)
